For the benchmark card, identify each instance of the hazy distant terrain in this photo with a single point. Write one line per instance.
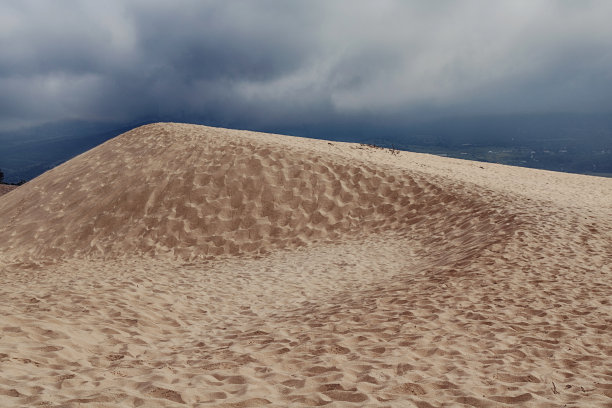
(562, 142)
(569, 143)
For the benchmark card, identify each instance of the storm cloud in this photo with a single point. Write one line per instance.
(274, 63)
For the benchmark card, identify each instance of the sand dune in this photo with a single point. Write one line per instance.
(181, 265)
(197, 192)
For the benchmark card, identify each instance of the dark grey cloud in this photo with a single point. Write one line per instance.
(274, 63)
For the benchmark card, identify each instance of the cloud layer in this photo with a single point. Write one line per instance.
(273, 63)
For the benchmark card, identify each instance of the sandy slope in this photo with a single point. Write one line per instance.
(185, 265)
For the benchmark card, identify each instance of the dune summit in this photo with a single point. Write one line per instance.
(186, 265)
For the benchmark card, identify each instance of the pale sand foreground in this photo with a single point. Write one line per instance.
(181, 265)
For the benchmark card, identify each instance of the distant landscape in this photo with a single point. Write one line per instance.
(561, 142)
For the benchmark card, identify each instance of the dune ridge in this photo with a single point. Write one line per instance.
(182, 265)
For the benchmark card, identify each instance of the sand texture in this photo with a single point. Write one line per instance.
(182, 265)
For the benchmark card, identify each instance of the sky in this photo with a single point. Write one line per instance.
(282, 63)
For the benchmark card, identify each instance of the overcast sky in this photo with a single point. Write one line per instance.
(278, 62)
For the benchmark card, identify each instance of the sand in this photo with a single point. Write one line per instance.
(182, 265)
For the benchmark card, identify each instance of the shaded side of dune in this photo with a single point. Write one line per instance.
(6, 188)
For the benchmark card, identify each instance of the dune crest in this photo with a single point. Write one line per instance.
(180, 265)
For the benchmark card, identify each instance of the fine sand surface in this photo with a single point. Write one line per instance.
(181, 265)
